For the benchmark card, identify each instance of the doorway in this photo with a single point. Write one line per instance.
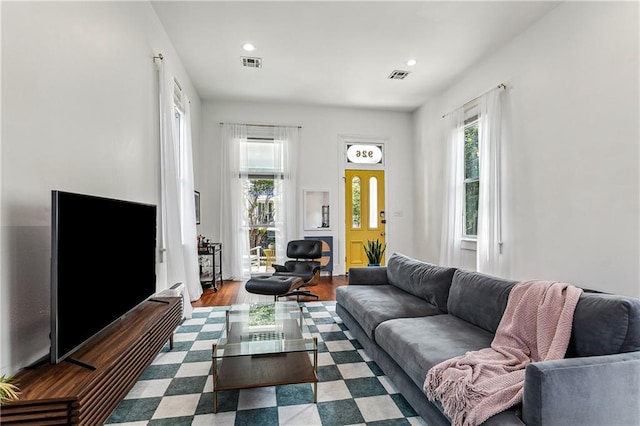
(364, 214)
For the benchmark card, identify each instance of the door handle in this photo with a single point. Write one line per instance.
(382, 234)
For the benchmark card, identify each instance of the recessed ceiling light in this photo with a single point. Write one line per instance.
(411, 62)
(249, 47)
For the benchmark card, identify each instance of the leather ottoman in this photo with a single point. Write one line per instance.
(273, 285)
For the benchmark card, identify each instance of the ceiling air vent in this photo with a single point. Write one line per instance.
(251, 62)
(398, 75)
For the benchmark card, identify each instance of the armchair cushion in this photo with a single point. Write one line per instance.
(304, 249)
(305, 265)
(303, 269)
(279, 268)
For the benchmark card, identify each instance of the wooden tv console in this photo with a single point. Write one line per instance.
(69, 394)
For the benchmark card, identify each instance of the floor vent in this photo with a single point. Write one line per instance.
(251, 62)
(398, 75)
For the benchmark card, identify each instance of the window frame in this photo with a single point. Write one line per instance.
(472, 118)
(248, 174)
(179, 122)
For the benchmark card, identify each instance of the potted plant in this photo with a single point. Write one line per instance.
(8, 389)
(374, 251)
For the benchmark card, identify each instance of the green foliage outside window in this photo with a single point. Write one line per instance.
(471, 160)
(471, 179)
(260, 211)
(356, 212)
(471, 208)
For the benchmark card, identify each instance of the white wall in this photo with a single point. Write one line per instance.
(321, 166)
(79, 113)
(572, 148)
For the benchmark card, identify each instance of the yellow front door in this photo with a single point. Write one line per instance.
(364, 213)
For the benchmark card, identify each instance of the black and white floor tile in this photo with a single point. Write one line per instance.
(177, 388)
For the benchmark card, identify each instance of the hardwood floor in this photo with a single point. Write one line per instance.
(233, 292)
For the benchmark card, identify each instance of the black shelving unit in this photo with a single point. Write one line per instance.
(210, 261)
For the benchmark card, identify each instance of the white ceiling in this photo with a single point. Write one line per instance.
(338, 53)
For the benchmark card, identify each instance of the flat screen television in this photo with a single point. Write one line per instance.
(103, 265)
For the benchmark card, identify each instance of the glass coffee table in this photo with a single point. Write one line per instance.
(264, 344)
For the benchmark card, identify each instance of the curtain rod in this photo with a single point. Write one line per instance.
(500, 86)
(260, 125)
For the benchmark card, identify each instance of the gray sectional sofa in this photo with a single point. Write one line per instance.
(411, 315)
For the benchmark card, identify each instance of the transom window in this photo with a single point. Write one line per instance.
(263, 156)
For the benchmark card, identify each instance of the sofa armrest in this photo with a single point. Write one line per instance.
(594, 390)
(376, 275)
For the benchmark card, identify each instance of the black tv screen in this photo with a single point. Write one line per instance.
(103, 265)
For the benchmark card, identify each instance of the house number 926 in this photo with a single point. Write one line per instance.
(364, 154)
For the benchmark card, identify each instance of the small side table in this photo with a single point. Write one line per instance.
(210, 261)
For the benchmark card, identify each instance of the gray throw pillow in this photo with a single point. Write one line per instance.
(479, 299)
(605, 324)
(424, 280)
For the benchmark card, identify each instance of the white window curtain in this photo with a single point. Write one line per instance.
(188, 208)
(286, 188)
(451, 239)
(234, 217)
(175, 222)
(489, 204)
(234, 220)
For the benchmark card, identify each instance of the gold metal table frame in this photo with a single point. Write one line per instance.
(264, 344)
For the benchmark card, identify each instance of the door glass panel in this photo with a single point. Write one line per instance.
(373, 202)
(356, 204)
(260, 204)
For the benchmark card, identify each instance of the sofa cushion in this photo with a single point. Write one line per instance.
(371, 305)
(421, 279)
(368, 276)
(605, 324)
(420, 343)
(479, 299)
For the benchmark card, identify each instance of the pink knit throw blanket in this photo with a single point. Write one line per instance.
(536, 326)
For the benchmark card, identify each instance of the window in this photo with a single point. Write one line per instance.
(364, 153)
(263, 157)
(179, 132)
(260, 211)
(472, 196)
(471, 182)
(261, 170)
(179, 137)
(356, 219)
(373, 203)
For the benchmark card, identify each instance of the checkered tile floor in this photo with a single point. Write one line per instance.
(177, 388)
